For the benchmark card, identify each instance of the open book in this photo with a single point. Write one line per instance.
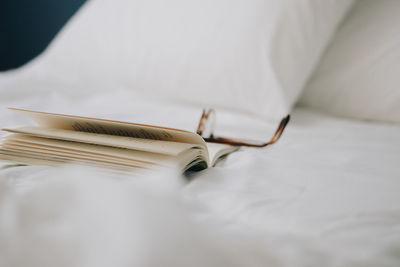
(59, 139)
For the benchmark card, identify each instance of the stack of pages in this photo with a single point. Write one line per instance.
(61, 139)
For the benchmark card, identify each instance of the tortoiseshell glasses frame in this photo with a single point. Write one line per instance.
(210, 113)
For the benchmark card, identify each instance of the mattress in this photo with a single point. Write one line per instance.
(327, 194)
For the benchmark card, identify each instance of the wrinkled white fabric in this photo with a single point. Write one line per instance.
(326, 194)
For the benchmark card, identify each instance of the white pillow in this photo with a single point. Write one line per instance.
(359, 76)
(247, 55)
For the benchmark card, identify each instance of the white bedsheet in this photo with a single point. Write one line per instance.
(327, 194)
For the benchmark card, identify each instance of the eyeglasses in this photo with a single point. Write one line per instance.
(208, 117)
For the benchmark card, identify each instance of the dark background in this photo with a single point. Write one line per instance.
(27, 27)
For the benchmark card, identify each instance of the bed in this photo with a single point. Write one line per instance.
(327, 194)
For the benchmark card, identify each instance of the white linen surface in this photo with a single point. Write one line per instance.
(327, 194)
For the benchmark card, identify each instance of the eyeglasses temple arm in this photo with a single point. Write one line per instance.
(205, 115)
(274, 139)
(279, 131)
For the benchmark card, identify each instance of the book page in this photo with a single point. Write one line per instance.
(109, 127)
(216, 151)
(35, 159)
(73, 157)
(119, 154)
(148, 145)
(25, 149)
